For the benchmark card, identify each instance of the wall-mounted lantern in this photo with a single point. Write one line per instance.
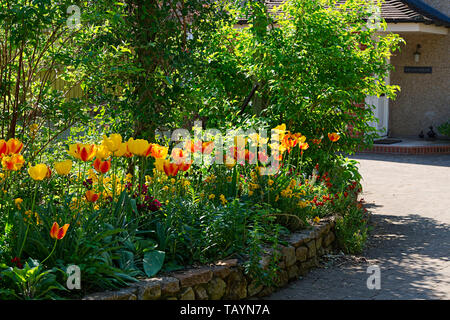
(417, 54)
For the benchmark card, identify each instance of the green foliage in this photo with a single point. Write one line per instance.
(263, 244)
(153, 262)
(445, 129)
(352, 230)
(30, 282)
(139, 70)
(311, 70)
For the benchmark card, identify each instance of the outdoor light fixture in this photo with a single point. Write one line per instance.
(417, 54)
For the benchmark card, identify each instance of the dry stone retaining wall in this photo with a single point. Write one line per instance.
(226, 279)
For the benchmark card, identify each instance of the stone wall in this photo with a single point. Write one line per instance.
(226, 279)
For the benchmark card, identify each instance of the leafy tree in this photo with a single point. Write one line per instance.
(46, 48)
(313, 63)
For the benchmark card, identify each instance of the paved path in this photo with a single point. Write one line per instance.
(409, 197)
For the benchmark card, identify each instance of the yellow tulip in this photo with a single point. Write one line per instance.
(281, 127)
(63, 168)
(159, 164)
(18, 202)
(281, 131)
(38, 172)
(230, 162)
(277, 147)
(138, 147)
(257, 139)
(113, 142)
(73, 151)
(103, 152)
(240, 141)
(123, 151)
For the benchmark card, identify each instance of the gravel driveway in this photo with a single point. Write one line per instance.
(409, 197)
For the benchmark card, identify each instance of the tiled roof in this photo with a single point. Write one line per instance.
(400, 11)
(412, 11)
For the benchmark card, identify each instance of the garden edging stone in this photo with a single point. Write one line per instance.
(226, 279)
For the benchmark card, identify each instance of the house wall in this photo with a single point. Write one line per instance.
(424, 99)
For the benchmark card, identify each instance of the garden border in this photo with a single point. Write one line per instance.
(226, 279)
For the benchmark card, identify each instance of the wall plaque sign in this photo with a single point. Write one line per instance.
(418, 70)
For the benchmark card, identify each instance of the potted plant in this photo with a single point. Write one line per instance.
(444, 129)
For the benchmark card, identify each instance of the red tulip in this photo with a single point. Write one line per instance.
(171, 169)
(184, 166)
(3, 148)
(91, 196)
(102, 166)
(263, 157)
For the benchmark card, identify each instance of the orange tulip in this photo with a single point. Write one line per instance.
(205, 147)
(157, 151)
(171, 169)
(14, 146)
(289, 142)
(13, 162)
(87, 153)
(58, 233)
(178, 154)
(193, 147)
(234, 152)
(303, 147)
(102, 166)
(148, 152)
(334, 137)
(91, 196)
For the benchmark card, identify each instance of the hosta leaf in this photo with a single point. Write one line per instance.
(153, 262)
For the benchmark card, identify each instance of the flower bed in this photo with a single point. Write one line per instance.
(227, 279)
(120, 211)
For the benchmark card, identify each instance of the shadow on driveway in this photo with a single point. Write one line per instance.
(413, 255)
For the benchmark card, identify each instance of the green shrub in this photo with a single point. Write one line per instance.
(31, 281)
(445, 129)
(352, 230)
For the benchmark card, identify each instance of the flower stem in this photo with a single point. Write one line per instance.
(28, 226)
(53, 250)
